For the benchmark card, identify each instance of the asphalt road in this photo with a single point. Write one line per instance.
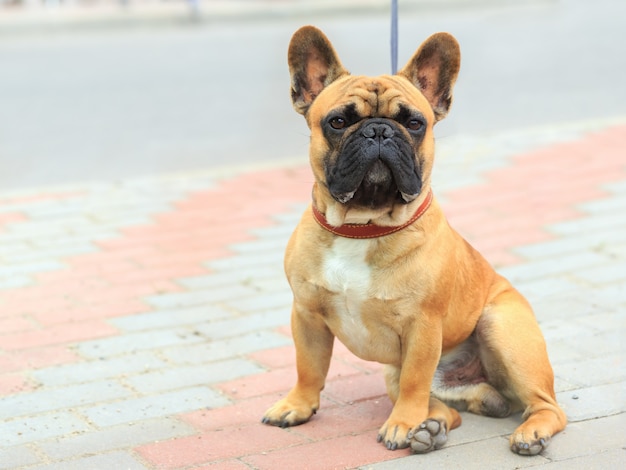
(112, 103)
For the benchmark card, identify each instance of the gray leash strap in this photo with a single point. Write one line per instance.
(394, 36)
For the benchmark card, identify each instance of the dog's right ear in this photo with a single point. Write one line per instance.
(313, 65)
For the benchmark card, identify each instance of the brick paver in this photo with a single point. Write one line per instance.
(144, 324)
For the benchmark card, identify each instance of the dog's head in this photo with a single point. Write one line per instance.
(372, 138)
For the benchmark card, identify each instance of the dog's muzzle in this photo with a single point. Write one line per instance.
(376, 167)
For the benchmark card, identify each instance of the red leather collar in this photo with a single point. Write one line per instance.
(370, 230)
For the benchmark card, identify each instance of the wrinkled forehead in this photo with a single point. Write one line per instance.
(382, 96)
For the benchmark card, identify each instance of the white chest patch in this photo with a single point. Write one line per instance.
(348, 276)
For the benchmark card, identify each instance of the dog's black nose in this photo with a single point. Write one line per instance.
(377, 130)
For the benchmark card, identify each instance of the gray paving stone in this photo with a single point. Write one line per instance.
(593, 402)
(245, 262)
(273, 285)
(600, 275)
(130, 364)
(563, 351)
(248, 277)
(245, 324)
(291, 219)
(604, 343)
(49, 399)
(538, 290)
(38, 427)
(612, 204)
(154, 406)
(605, 222)
(594, 371)
(199, 297)
(488, 454)
(476, 428)
(216, 350)
(12, 282)
(612, 459)
(562, 385)
(610, 296)
(18, 269)
(115, 437)
(592, 241)
(38, 254)
(138, 341)
(548, 267)
(567, 306)
(588, 438)
(274, 246)
(169, 318)
(616, 250)
(16, 457)
(112, 460)
(617, 187)
(267, 301)
(14, 248)
(192, 375)
(280, 232)
(558, 329)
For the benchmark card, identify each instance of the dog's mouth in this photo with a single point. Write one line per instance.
(377, 188)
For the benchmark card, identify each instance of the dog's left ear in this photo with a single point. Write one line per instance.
(313, 65)
(433, 69)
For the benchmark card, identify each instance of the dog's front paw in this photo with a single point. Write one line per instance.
(430, 435)
(285, 413)
(394, 435)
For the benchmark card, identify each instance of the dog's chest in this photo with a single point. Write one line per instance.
(348, 276)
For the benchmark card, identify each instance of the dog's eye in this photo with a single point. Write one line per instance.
(337, 123)
(414, 124)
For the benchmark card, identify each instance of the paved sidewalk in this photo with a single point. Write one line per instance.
(144, 324)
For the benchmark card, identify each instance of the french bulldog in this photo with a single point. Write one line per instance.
(374, 262)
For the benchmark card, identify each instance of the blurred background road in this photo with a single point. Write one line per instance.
(144, 90)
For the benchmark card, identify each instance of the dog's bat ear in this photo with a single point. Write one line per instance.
(313, 65)
(433, 69)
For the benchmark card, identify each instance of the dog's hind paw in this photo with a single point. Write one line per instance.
(533, 447)
(430, 435)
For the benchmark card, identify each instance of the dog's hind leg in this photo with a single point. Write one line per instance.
(460, 381)
(514, 356)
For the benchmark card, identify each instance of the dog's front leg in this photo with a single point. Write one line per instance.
(421, 350)
(314, 347)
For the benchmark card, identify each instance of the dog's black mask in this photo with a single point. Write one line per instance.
(375, 166)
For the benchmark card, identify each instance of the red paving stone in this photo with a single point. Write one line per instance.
(13, 324)
(276, 380)
(14, 383)
(355, 388)
(359, 417)
(218, 445)
(242, 412)
(36, 358)
(337, 453)
(11, 218)
(275, 358)
(60, 334)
